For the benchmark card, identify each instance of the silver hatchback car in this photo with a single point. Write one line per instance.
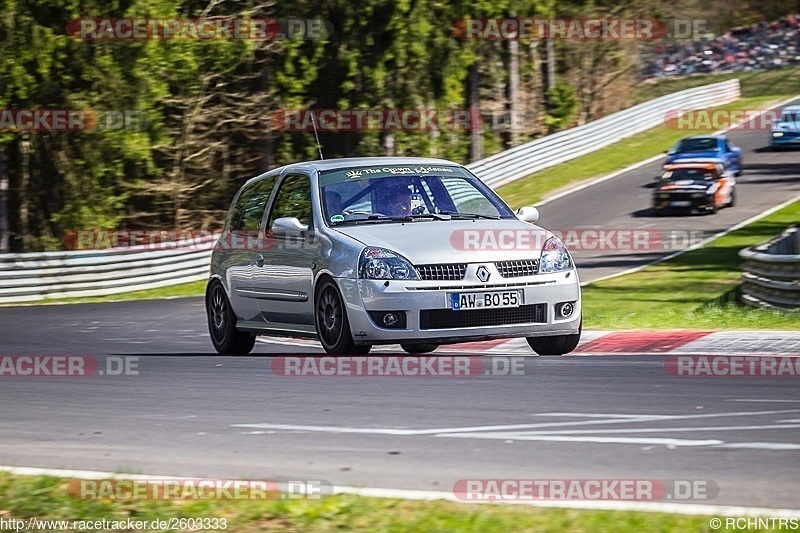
(364, 251)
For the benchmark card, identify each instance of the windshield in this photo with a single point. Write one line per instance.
(688, 174)
(406, 193)
(708, 144)
(791, 117)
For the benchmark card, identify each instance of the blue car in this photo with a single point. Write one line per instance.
(718, 147)
(786, 130)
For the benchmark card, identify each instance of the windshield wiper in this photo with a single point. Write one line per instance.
(470, 215)
(374, 218)
(436, 216)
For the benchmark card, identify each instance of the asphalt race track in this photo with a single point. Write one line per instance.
(189, 412)
(623, 203)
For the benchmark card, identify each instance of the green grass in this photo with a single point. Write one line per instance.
(538, 186)
(695, 290)
(753, 84)
(46, 498)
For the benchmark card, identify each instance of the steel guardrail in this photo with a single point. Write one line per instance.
(771, 273)
(526, 159)
(77, 273)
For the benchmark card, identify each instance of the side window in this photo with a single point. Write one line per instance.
(254, 209)
(249, 207)
(728, 147)
(238, 208)
(293, 200)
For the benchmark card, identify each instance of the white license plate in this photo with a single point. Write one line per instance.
(682, 203)
(460, 301)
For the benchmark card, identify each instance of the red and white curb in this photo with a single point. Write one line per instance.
(678, 342)
(638, 342)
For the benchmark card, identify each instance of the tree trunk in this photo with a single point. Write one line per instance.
(388, 144)
(513, 93)
(3, 205)
(24, 185)
(476, 134)
(551, 71)
(268, 159)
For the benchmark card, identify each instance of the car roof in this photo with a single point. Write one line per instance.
(348, 162)
(792, 108)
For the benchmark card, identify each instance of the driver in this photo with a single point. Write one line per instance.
(395, 200)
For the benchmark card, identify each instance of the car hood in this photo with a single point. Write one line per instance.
(453, 241)
(686, 185)
(785, 126)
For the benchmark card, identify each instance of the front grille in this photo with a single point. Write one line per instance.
(516, 269)
(680, 196)
(446, 272)
(476, 318)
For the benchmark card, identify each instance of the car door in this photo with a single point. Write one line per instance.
(246, 216)
(283, 260)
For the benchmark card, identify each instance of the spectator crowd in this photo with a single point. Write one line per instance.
(760, 46)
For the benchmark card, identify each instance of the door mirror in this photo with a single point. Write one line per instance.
(528, 213)
(289, 226)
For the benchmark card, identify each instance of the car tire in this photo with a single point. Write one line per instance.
(557, 344)
(226, 339)
(333, 327)
(419, 347)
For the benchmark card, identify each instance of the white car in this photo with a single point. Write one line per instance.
(365, 251)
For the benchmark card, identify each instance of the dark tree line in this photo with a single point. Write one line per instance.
(199, 111)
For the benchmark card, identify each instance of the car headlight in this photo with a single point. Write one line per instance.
(555, 257)
(777, 134)
(380, 263)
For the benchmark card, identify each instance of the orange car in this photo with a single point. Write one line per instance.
(702, 187)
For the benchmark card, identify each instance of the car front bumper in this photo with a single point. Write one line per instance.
(788, 139)
(429, 317)
(683, 202)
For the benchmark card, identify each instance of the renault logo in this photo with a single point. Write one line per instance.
(483, 273)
